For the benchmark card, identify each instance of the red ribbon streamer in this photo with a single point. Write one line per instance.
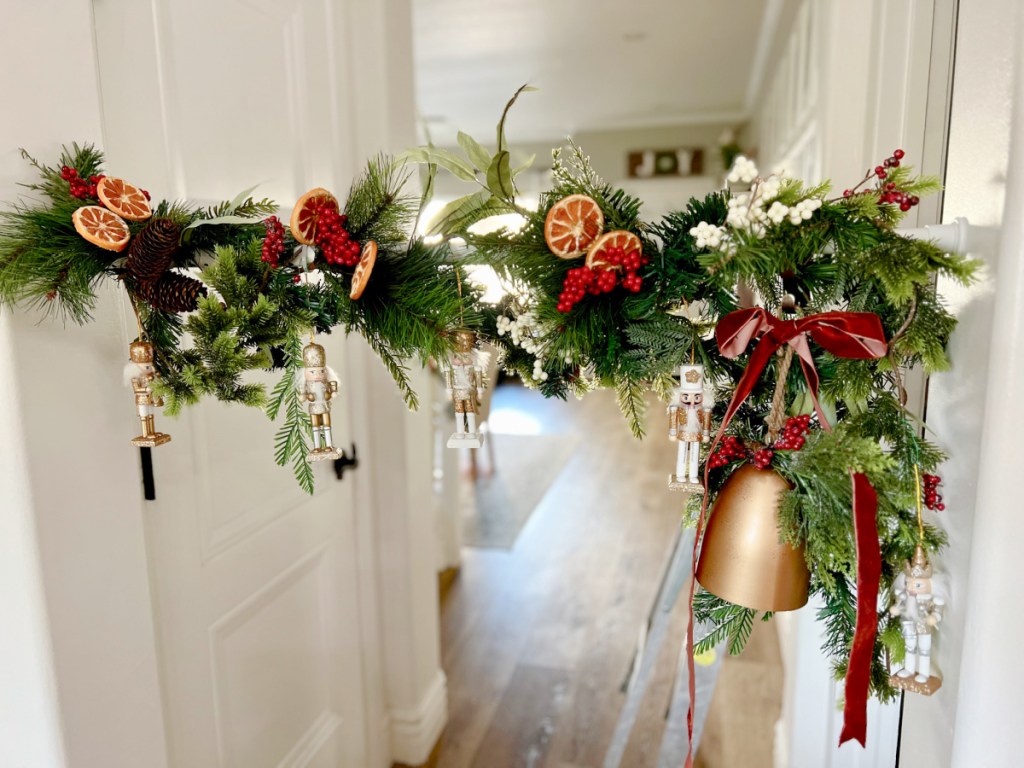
(856, 335)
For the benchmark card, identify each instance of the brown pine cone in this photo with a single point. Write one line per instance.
(152, 250)
(173, 292)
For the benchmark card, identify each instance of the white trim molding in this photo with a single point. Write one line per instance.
(415, 731)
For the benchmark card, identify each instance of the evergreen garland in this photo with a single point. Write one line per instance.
(784, 240)
(791, 243)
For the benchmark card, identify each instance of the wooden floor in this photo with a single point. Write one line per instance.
(538, 640)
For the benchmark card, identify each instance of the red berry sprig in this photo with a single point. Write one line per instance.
(932, 498)
(889, 193)
(627, 264)
(618, 268)
(336, 242)
(79, 187)
(729, 450)
(762, 458)
(581, 281)
(893, 161)
(273, 243)
(793, 433)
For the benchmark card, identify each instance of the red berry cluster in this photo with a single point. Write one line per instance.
(336, 243)
(762, 458)
(889, 194)
(730, 449)
(932, 499)
(603, 279)
(793, 433)
(581, 281)
(79, 187)
(889, 162)
(273, 243)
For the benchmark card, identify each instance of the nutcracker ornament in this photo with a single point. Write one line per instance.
(140, 373)
(689, 424)
(318, 385)
(465, 379)
(920, 603)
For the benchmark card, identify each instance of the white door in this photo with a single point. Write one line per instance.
(255, 583)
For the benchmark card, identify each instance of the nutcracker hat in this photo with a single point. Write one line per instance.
(140, 352)
(465, 340)
(919, 567)
(314, 356)
(691, 378)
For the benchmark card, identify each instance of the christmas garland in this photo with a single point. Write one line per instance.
(596, 298)
(568, 326)
(235, 282)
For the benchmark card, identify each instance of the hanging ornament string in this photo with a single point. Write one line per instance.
(138, 318)
(856, 335)
(920, 513)
(458, 282)
(777, 415)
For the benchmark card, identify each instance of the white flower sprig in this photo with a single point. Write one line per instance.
(523, 332)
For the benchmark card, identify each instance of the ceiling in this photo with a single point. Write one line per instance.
(599, 64)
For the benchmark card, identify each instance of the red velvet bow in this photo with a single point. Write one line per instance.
(856, 335)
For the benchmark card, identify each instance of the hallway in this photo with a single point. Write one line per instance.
(538, 640)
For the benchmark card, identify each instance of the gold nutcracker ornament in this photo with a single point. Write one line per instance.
(465, 380)
(319, 384)
(689, 424)
(140, 374)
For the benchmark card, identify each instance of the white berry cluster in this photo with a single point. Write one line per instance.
(708, 235)
(802, 211)
(743, 170)
(522, 332)
(753, 211)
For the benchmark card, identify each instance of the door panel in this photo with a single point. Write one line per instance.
(257, 607)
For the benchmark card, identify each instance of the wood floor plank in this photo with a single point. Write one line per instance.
(520, 731)
(537, 641)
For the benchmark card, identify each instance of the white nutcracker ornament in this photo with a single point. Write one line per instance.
(316, 388)
(465, 379)
(140, 374)
(689, 424)
(920, 603)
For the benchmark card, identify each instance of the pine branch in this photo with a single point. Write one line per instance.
(290, 442)
(630, 396)
(729, 623)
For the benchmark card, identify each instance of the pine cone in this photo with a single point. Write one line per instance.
(152, 251)
(173, 292)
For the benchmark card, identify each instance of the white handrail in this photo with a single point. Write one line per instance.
(959, 236)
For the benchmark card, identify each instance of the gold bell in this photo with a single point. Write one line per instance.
(742, 559)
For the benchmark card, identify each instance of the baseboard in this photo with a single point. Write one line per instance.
(415, 731)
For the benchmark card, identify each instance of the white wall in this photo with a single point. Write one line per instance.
(77, 614)
(970, 721)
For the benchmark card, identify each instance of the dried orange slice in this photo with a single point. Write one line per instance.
(306, 213)
(572, 224)
(598, 257)
(124, 199)
(101, 227)
(363, 269)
